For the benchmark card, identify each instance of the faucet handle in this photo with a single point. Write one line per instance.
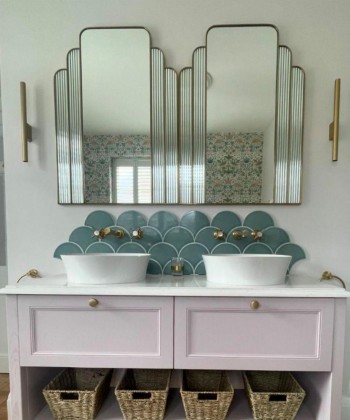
(257, 235)
(137, 233)
(240, 234)
(119, 233)
(101, 233)
(219, 234)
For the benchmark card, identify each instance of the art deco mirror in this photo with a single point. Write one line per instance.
(116, 121)
(240, 119)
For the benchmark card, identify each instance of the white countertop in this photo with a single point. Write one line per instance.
(296, 286)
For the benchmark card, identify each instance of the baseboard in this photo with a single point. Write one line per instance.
(4, 364)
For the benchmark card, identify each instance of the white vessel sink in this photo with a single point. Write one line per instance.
(246, 269)
(105, 268)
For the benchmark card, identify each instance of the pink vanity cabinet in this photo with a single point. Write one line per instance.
(178, 327)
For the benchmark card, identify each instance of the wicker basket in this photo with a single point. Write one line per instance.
(273, 395)
(77, 393)
(142, 393)
(206, 394)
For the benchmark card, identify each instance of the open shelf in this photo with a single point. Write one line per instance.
(239, 409)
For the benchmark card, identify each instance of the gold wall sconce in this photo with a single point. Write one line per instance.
(334, 125)
(26, 128)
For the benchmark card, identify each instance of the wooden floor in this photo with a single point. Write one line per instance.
(4, 390)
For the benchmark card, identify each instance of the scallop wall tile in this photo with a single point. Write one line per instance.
(226, 220)
(258, 220)
(67, 248)
(191, 237)
(131, 220)
(99, 219)
(84, 236)
(194, 221)
(179, 236)
(163, 221)
(100, 248)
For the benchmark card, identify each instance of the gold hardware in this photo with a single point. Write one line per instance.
(33, 273)
(137, 233)
(257, 235)
(219, 234)
(327, 275)
(102, 233)
(119, 233)
(254, 304)
(93, 302)
(334, 125)
(26, 128)
(240, 234)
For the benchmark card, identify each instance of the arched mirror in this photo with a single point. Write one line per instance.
(240, 120)
(241, 123)
(116, 116)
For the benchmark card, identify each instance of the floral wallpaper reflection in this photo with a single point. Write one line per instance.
(234, 167)
(98, 152)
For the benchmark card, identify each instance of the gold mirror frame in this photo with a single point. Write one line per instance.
(69, 132)
(178, 131)
(288, 129)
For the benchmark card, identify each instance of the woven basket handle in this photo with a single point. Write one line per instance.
(69, 396)
(207, 396)
(278, 397)
(141, 395)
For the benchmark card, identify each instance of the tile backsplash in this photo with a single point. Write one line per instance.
(165, 237)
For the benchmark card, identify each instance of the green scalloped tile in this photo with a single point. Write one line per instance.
(200, 269)
(257, 248)
(115, 242)
(132, 247)
(83, 236)
(274, 237)
(163, 253)
(226, 220)
(206, 237)
(179, 237)
(226, 248)
(99, 248)
(151, 237)
(131, 219)
(294, 250)
(258, 220)
(194, 221)
(240, 243)
(154, 267)
(67, 248)
(99, 219)
(193, 253)
(163, 221)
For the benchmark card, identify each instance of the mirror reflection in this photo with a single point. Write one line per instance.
(241, 96)
(231, 134)
(116, 115)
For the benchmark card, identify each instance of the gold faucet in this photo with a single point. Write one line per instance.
(327, 275)
(219, 234)
(241, 234)
(137, 233)
(102, 233)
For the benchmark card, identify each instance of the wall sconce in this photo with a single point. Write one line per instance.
(334, 125)
(26, 128)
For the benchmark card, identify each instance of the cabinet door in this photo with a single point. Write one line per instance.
(228, 333)
(120, 331)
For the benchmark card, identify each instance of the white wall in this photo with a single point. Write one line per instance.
(34, 39)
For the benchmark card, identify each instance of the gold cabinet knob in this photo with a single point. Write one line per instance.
(254, 304)
(93, 302)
